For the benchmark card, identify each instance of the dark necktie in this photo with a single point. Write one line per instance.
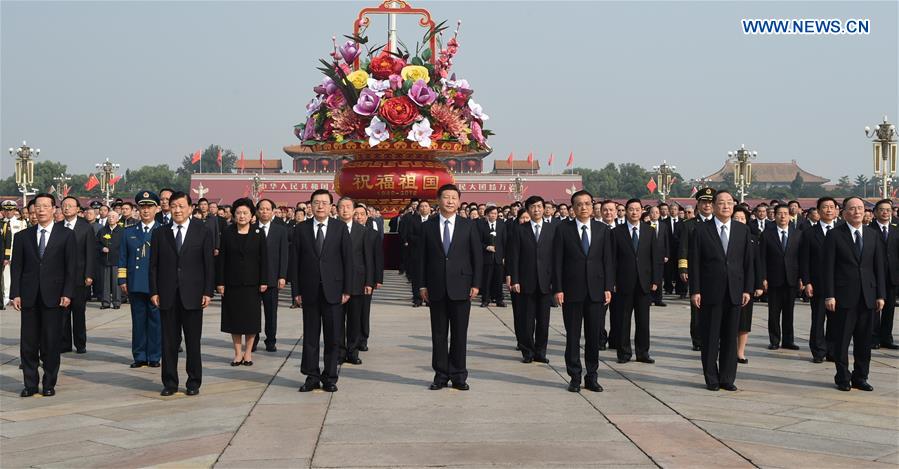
(858, 244)
(635, 240)
(537, 233)
(585, 241)
(724, 239)
(826, 230)
(42, 244)
(146, 229)
(319, 239)
(446, 238)
(886, 233)
(178, 239)
(783, 240)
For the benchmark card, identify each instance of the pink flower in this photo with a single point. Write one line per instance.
(476, 132)
(396, 81)
(421, 94)
(335, 101)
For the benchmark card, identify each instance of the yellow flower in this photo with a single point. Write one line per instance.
(338, 138)
(107, 236)
(415, 73)
(359, 79)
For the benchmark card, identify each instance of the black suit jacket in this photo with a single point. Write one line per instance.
(811, 258)
(780, 267)
(754, 227)
(110, 258)
(190, 272)
(664, 235)
(53, 276)
(277, 248)
(362, 257)
(453, 275)
(85, 249)
(848, 278)
(161, 219)
(714, 272)
(375, 245)
(642, 268)
(890, 251)
(580, 276)
(498, 241)
(243, 263)
(531, 261)
(332, 270)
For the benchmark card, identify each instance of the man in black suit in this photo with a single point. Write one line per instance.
(855, 288)
(889, 235)
(448, 277)
(413, 225)
(779, 254)
(374, 243)
(530, 255)
(685, 232)
(182, 277)
(493, 237)
(760, 222)
(638, 261)
(811, 270)
(721, 283)
(74, 328)
(320, 275)
(164, 215)
(663, 237)
(276, 235)
(42, 276)
(583, 272)
(361, 282)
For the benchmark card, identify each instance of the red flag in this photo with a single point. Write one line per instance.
(219, 159)
(91, 183)
(510, 159)
(694, 191)
(570, 159)
(651, 185)
(530, 158)
(673, 180)
(261, 161)
(65, 190)
(550, 162)
(241, 163)
(196, 158)
(114, 180)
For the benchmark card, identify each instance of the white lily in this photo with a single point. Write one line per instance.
(421, 133)
(378, 86)
(377, 131)
(476, 110)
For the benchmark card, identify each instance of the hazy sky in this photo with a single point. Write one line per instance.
(148, 82)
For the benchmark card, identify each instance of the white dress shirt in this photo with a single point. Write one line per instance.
(580, 230)
(534, 226)
(49, 229)
(264, 227)
(324, 223)
(183, 226)
(452, 226)
(70, 224)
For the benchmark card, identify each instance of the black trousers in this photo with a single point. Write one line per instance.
(855, 324)
(632, 303)
(695, 333)
(366, 320)
(820, 345)
(270, 311)
(325, 319)
(74, 326)
(592, 315)
(883, 321)
(535, 334)
(517, 317)
(780, 314)
(719, 323)
(449, 339)
(353, 316)
(671, 275)
(492, 285)
(40, 332)
(176, 321)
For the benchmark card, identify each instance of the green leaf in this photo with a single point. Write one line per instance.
(417, 61)
(426, 55)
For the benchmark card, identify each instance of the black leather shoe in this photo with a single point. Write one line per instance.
(153, 364)
(81, 350)
(50, 392)
(180, 349)
(728, 387)
(192, 392)
(27, 392)
(875, 346)
(712, 387)
(742, 360)
(602, 346)
(817, 360)
(844, 387)
(864, 386)
(310, 385)
(353, 361)
(237, 363)
(463, 386)
(890, 346)
(790, 346)
(330, 387)
(137, 364)
(541, 359)
(247, 363)
(574, 386)
(167, 392)
(623, 360)
(660, 303)
(696, 348)
(527, 360)
(500, 305)
(363, 348)
(435, 386)
(773, 347)
(593, 386)
(646, 359)
(484, 305)
(271, 348)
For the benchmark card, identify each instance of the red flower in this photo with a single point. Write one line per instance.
(399, 111)
(385, 65)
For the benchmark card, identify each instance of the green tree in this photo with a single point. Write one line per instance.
(152, 178)
(208, 162)
(796, 185)
(843, 185)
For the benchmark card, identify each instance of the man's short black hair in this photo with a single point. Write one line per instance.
(634, 201)
(180, 195)
(884, 201)
(323, 191)
(825, 199)
(533, 200)
(201, 200)
(77, 203)
(722, 192)
(491, 208)
(448, 187)
(44, 195)
(270, 201)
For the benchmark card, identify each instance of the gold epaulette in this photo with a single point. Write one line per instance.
(123, 272)
(8, 252)
(682, 264)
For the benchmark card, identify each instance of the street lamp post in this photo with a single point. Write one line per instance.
(517, 187)
(106, 181)
(665, 175)
(257, 183)
(742, 169)
(884, 137)
(24, 156)
(61, 183)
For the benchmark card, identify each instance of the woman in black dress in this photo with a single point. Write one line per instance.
(741, 214)
(240, 279)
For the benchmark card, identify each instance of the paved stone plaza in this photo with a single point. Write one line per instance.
(786, 414)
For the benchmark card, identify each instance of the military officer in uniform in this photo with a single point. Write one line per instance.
(685, 229)
(9, 226)
(134, 280)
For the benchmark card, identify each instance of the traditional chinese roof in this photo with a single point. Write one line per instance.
(517, 165)
(769, 173)
(271, 165)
